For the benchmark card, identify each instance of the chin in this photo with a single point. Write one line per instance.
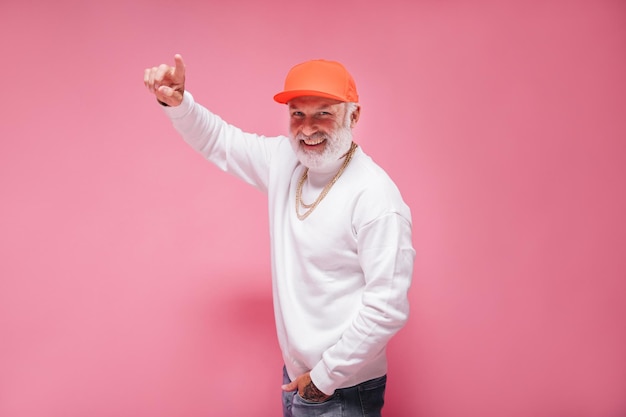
(314, 161)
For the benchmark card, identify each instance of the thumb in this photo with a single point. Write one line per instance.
(292, 386)
(165, 91)
(169, 95)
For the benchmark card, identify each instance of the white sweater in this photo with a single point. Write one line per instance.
(341, 276)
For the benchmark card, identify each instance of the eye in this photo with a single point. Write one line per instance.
(297, 113)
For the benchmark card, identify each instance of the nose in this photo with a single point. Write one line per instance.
(309, 126)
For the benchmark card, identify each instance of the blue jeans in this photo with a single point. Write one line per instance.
(363, 400)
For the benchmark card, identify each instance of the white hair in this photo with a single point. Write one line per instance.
(350, 108)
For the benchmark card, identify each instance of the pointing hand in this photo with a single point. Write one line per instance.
(167, 83)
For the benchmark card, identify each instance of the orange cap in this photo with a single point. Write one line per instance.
(320, 78)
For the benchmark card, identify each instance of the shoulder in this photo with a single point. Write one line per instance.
(376, 193)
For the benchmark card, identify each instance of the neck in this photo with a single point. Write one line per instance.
(330, 168)
(319, 176)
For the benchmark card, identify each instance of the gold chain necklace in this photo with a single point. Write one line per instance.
(326, 189)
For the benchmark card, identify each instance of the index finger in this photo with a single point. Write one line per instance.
(179, 65)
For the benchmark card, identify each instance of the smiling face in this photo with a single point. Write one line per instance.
(321, 129)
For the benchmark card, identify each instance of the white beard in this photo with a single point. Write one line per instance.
(334, 148)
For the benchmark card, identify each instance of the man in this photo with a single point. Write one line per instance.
(342, 257)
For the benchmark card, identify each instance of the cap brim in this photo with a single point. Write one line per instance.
(285, 96)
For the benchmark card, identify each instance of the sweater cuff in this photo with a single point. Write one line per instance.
(322, 379)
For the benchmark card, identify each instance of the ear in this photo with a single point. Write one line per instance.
(354, 117)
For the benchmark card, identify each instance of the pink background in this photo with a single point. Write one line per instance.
(134, 276)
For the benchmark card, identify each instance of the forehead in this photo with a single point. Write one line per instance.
(313, 102)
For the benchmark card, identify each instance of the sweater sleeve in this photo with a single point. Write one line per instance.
(245, 155)
(386, 256)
